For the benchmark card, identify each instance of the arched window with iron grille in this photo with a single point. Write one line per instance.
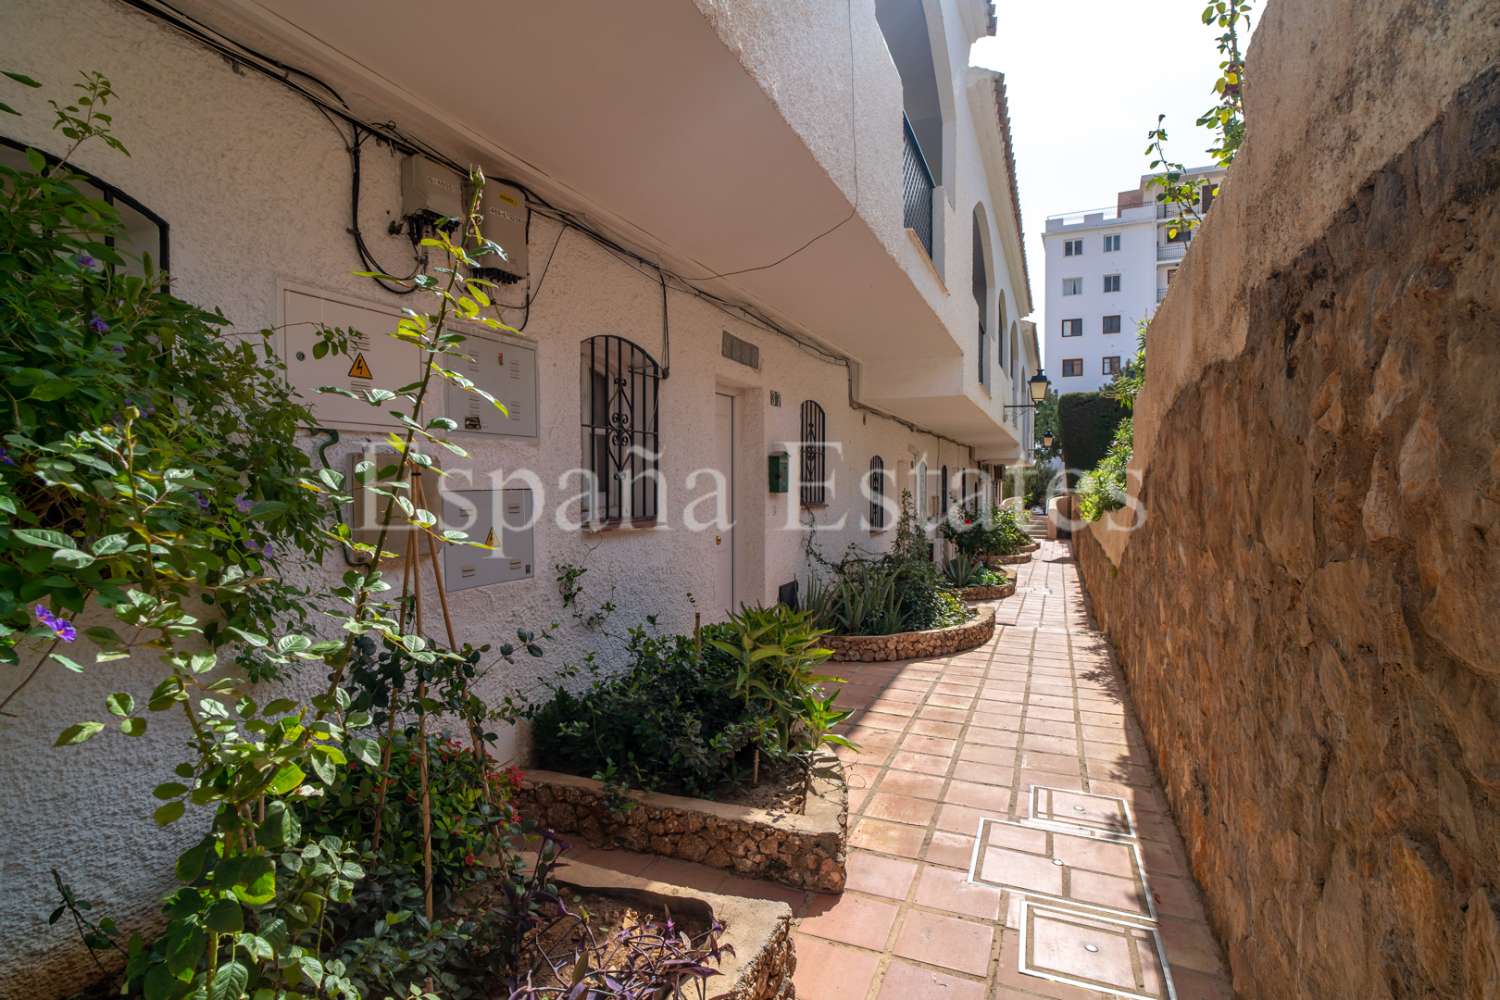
(620, 386)
(943, 493)
(877, 493)
(814, 454)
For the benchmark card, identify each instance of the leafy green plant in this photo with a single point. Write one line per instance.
(1225, 118)
(126, 484)
(900, 591)
(965, 570)
(1103, 488)
(979, 532)
(671, 722)
(775, 652)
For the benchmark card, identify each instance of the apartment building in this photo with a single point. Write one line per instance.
(743, 238)
(1106, 270)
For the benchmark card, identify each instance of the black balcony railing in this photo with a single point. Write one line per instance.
(916, 188)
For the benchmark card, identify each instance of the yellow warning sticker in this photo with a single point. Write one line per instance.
(360, 368)
(490, 538)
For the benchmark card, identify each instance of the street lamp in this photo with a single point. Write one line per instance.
(1047, 439)
(1038, 385)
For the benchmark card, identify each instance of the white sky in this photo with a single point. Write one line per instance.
(1086, 80)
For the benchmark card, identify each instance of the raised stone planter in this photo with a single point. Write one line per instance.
(802, 850)
(760, 930)
(913, 645)
(1011, 560)
(995, 593)
(1031, 546)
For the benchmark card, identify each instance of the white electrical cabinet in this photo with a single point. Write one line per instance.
(375, 359)
(506, 369)
(499, 518)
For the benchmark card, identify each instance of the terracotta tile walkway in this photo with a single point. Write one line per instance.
(1003, 812)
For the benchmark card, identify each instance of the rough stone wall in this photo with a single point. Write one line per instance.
(1308, 616)
(803, 851)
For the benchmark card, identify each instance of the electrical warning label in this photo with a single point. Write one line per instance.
(360, 368)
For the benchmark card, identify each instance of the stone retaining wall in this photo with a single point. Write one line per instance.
(1307, 616)
(1016, 559)
(805, 851)
(914, 645)
(995, 593)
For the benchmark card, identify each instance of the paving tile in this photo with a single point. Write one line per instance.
(914, 784)
(1056, 763)
(962, 819)
(984, 774)
(851, 919)
(985, 754)
(879, 875)
(946, 942)
(943, 714)
(832, 972)
(1001, 866)
(949, 889)
(934, 727)
(1094, 855)
(935, 745)
(922, 763)
(888, 838)
(949, 849)
(992, 737)
(901, 809)
(908, 981)
(994, 798)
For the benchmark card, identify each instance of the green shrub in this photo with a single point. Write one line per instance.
(1086, 424)
(670, 723)
(968, 571)
(998, 533)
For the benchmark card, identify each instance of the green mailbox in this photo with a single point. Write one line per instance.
(778, 472)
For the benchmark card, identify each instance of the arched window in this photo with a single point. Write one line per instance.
(1000, 330)
(943, 491)
(877, 493)
(814, 454)
(620, 396)
(142, 230)
(981, 283)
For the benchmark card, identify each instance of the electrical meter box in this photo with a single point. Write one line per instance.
(506, 369)
(502, 212)
(368, 509)
(777, 471)
(375, 360)
(498, 518)
(429, 189)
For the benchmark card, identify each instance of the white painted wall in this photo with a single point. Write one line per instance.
(1135, 262)
(255, 187)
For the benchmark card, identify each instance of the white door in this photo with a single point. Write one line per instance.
(724, 533)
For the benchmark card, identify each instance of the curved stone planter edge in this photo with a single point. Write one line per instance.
(913, 645)
(802, 850)
(1000, 592)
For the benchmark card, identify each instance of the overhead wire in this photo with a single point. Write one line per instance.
(241, 54)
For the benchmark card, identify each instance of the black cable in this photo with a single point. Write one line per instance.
(365, 256)
(666, 329)
(243, 55)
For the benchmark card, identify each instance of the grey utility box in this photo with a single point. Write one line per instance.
(500, 518)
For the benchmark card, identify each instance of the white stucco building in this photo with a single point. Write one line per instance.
(1106, 269)
(725, 215)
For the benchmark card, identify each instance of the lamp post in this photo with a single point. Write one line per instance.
(1038, 385)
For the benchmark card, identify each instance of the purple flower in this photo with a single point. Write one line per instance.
(242, 505)
(5, 457)
(60, 627)
(98, 325)
(117, 348)
(84, 260)
(264, 551)
(202, 501)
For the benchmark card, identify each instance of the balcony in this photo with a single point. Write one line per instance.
(1161, 293)
(916, 188)
(1171, 251)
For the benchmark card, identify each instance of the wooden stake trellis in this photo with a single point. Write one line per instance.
(411, 598)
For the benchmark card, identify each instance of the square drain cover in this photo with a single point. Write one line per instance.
(1080, 812)
(1073, 868)
(1120, 957)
